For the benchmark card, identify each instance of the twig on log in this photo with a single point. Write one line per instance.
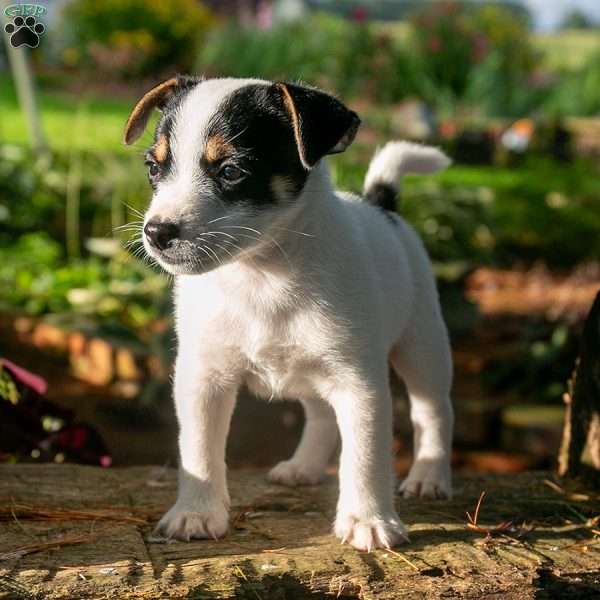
(66, 540)
(473, 522)
(25, 511)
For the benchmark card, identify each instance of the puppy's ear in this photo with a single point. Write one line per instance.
(321, 123)
(157, 98)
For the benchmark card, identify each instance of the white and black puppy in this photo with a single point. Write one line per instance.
(295, 290)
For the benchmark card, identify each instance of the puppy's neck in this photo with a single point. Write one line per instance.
(293, 237)
(293, 244)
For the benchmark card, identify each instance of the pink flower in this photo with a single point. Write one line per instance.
(434, 44)
(359, 14)
(480, 47)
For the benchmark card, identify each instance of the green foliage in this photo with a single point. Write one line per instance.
(105, 187)
(320, 50)
(134, 37)
(456, 53)
(578, 91)
(36, 278)
(480, 53)
(541, 362)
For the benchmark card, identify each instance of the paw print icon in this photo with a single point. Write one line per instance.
(24, 32)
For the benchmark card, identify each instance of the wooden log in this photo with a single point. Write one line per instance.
(71, 532)
(582, 400)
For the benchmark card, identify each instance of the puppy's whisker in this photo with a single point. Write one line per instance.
(134, 222)
(294, 231)
(203, 249)
(224, 249)
(283, 252)
(214, 254)
(129, 224)
(228, 241)
(124, 229)
(241, 227)
(236, 246)
(131, 243)
(223, 233)
(219, 219)
(135, 211)
(237, 135)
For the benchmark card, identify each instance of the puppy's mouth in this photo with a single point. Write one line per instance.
(185, 257)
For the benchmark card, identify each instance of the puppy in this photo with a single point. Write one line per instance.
(295, 290)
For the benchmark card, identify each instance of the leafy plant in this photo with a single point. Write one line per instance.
(578, 92)
(134, 37)
(464, 49)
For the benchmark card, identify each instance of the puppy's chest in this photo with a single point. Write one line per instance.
(285, 363)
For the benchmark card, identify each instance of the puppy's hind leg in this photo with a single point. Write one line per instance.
(423, 360)
(319, 440)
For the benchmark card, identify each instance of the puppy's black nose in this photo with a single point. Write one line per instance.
(161, 233)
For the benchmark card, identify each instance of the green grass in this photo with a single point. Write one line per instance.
(70, 122)
(567, 49)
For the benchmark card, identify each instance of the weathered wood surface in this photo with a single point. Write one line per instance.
(280, 546)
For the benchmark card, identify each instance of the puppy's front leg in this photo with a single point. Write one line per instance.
(366, 517)
(204, 408)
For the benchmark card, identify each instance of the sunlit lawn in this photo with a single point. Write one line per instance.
(569, 48)
(69, 121)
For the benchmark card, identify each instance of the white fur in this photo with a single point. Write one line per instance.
(396, 159)
(329, 294)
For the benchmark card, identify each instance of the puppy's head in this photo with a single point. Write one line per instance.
(230, 157)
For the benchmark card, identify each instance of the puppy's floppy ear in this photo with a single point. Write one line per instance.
(157, 98)
(321, 123)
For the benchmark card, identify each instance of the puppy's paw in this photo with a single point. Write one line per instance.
(291, 473)
(368, 533)
(185, 523)
(428, 480)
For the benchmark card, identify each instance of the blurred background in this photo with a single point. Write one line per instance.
(511, 90)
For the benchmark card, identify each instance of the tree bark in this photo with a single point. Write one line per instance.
(582, 400)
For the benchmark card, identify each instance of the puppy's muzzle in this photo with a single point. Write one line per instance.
(161, 234)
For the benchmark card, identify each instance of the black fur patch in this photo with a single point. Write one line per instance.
(383, 195)
(321, 123)
(254, 123)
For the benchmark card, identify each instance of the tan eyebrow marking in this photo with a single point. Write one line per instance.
(217, 148)
(161, 149)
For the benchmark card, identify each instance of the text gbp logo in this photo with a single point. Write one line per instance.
(25, 28)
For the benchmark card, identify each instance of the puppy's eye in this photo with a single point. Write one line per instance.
(153, 168)
(231, 174)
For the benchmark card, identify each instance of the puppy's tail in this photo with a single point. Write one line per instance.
(394, 160)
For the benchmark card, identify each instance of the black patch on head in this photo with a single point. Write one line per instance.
(383, 196)
(253, 122)
(321, 123)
